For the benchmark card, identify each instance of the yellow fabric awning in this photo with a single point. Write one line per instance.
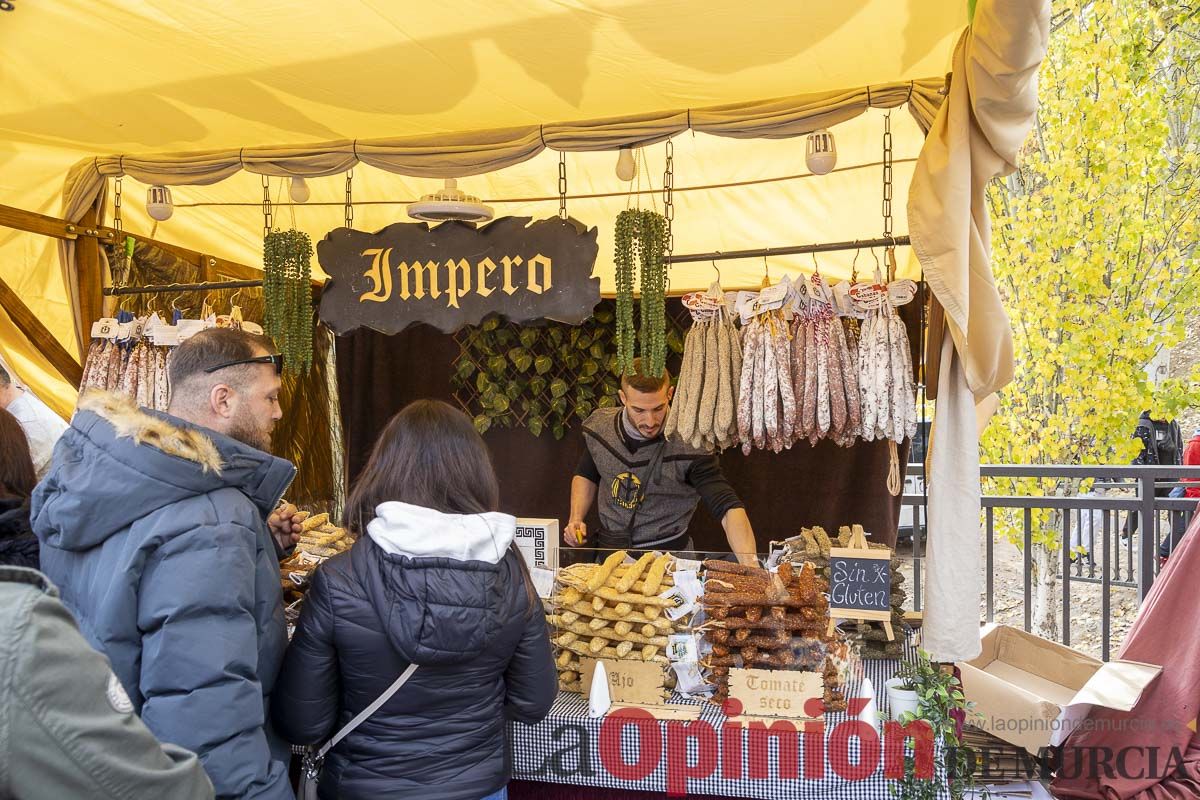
(158, 76)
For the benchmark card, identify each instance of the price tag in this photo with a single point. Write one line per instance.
(106, 328)
(683, 595)
(820, 290)
(165, 335)
(188, 328)
(775, 693)
(901, 292)
(868, 296)
(628, 681)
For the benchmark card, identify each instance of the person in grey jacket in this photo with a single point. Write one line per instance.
(154, 527)
(68, 727)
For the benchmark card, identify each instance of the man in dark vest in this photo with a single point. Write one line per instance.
(648, 486)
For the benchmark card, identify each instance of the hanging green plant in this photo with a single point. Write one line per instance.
(653, 245)
(623, 257)
(640, 236)
(287, 304)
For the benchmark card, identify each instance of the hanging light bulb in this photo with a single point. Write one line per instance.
(821, 155)
(626, 166)
(158, 203)
(298, 190)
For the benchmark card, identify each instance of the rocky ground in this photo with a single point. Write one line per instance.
(1086, 607)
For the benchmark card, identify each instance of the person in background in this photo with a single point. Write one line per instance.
(18, 545)
(68, 726)
(648, 487)
(41, 425)
(1162, 445)
(1191, 490)
(434, 580)
(156, 529)
(1086, 525)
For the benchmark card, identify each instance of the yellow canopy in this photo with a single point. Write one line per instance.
(134, 78)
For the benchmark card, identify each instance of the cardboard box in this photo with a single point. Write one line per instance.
(1033, 692)
(537, 539)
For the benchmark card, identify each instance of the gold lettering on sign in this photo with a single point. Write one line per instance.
(380, 276)
(419, 270)
(532, 284)
(509, 263)
(418, 280)
(482, 270)
(460, 281)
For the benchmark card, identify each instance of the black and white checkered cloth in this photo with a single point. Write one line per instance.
(567, 747)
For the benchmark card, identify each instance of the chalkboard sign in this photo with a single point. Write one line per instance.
(860, 583)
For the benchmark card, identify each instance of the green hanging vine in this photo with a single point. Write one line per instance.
(624, 235)
(640, 235)
(287, 311)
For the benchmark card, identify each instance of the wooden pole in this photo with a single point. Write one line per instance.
(36, 332)
(91, 279)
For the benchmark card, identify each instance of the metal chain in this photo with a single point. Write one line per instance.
(117, 225)
(349, 198)
(268, 213)
(887, 176)
(120, 261)
(562, 185)
(669, 209)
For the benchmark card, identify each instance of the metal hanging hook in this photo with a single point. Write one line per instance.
(718, 269)
(854, 266)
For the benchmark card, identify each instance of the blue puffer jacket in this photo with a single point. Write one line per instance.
(155, 532)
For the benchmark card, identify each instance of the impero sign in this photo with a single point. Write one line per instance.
(454, 274)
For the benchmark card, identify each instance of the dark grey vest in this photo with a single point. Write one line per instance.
(653, 509)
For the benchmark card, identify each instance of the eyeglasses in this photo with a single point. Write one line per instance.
(274, 358)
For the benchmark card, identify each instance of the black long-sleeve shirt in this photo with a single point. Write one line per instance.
(705, 476)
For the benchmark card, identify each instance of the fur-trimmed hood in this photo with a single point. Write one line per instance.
(118, 463)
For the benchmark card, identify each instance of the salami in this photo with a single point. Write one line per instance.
(771, 381)
(746, 391)
(810, 380)
(694, 371)
(837, 383)
(759, 401)
(725, 424)
(787, 393)
(705, 421)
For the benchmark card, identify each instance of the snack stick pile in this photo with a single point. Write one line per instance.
(612, 611)
(812, 545)
(756, 619)
(319, 539)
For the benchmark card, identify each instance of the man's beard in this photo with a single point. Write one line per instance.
(248, 430)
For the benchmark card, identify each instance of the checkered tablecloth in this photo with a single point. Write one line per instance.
(566, 747)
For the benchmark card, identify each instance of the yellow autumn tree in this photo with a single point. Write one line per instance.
(1094, 247)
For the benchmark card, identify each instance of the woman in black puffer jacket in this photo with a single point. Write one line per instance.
(433, 580)
(18, 545)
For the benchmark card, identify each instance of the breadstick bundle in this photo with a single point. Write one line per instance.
(757, 619)
(319, 539)
(612, 610)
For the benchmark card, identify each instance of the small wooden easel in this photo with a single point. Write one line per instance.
(858, 548)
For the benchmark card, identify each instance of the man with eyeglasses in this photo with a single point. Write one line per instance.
(157, 528)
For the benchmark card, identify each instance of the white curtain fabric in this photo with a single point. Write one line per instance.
(975, 137)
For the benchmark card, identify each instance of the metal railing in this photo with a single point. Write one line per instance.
(1134, 519)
